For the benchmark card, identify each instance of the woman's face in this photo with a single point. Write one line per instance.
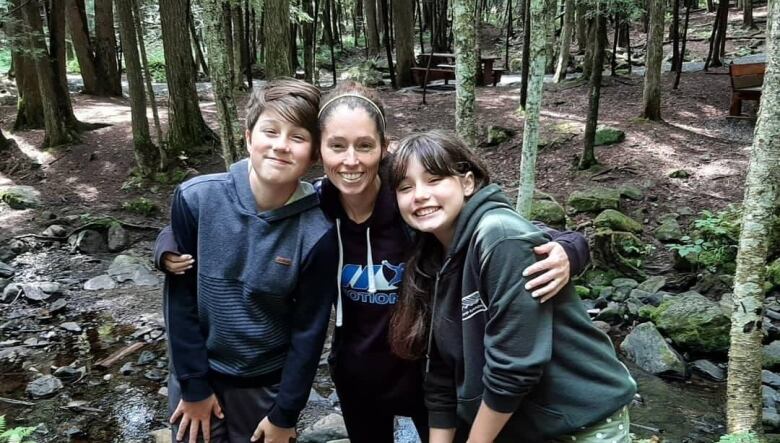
(351, 150)
(432, 203)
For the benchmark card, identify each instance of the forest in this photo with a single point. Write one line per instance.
(652, 127)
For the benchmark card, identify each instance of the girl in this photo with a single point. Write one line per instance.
(372, 383)
(500, 365)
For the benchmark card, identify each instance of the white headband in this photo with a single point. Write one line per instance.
(379, 111)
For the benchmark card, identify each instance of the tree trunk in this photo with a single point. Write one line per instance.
(56, 21)
(307, 31)
(105, 48)
(588, 158)
(404, 40)
(372, 32)
(29, 106)
(146, 154)
(582, 30)
(79, 33)
(227, 28)
(688, 5)
(566, 34)
(357, 20)
(651, 94)
(277, 39)
(57, 130)
(201, 59)
(186, 128)
(533, 105)
(139, 32)
(386, 43)
(466, 63)
(747, 14)
(743, 394)
(440, 43)
(590, 49)
(239, 44)
(718, 38)
(526, 59)
(549, 40)
(675, 36)
(335, 14)
(4, 143)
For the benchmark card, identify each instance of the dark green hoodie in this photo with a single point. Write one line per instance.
(492, 342)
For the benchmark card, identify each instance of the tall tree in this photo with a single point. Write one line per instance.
(403, 20)
(385, 10)
(466, 63)
(651, 94)
(239, 45)
(372, 30)
(230, 133)
(588, 158)
(146, 154)
(105, 48)
(439, 39)
(533, 104)
(743, 394)
(566, 34)
(186, 128)
(200, 58)
(582, 30)
(307, 34)
(29, 105)
(747, 14)
(79, 33)
(277, 38)
(526, 57)
(139, 32)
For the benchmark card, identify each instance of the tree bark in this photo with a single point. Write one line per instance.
(439, 35)
(105, 48)
(533, 105)
(56, 22)
(566, 34)
(307, 31)
(201, 59)
(230, 133)
(688, 5)
(526, 58)
(466, 63)
(588, 158)
(146, 154)
(674, 35)
(747, 14)
(29, 106)
(372, 32)
(277, 39)
(404, 40)
(79, 33)
(239, 43)
(651, 94)
(582, 30)
(743, 392)
(549, 40)
(386, 42)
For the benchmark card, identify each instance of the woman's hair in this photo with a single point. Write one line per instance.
(294, 100)
(443, 155)
(354, 95)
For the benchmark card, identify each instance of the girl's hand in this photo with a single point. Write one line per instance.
(270, 433)
(554, 269)
(177, 264)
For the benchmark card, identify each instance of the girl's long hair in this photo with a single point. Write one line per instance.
(443, 155)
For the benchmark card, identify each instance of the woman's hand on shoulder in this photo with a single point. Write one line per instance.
(552, 273)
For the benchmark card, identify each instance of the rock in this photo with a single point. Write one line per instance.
(617, 221)
(653, 284)
(128, 267)
(600, 276)
(3, 283)
(68, 374)
(582, 292)
(154, 375)
(71, 326)
(58, 305)
(118, 238)
(770, 397)
(44, 387)
(34, 292)
(606, 292)
(55, 231)
(333, 398)
(100, 282)
(679, 173)
(163, 391)
(694, 322)
(709, 370)
(772, 355)
(6, 271)
(498, 134)
(770, 419)
(330, 427)
(594, 199)
(144, 277)
(770, 378)
(161, 435)
(629, 283)
(621, 294)
(612, 314)
(11, 292)
(602, 326)
(646, 347)
(669, 231)
(145, 358)
(548, 212)
(726, 303)
(88, 241)
(606, 135)
(631, 192)
(128, 369)
(20, 197)
(648, 298)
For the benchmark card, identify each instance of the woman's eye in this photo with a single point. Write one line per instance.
(299, 138)
(366, 147)
(269, 132)
(337, 147)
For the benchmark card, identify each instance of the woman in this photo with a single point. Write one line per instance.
(500, 365)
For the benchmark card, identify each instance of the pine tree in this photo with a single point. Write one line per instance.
(651, 94)
(105, 48)
(403, 21)
(465, 42)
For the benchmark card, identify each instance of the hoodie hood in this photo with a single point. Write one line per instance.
(303, 199)
(486, 199)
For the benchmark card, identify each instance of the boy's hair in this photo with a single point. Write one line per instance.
(294, 100)
(355, 95)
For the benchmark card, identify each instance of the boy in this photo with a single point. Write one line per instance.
(246, 326)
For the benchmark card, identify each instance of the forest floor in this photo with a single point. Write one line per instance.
(93, 178)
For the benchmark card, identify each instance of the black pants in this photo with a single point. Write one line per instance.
(368, 422)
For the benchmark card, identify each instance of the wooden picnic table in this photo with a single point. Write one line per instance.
(441, 65)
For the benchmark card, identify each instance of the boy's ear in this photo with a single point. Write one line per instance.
(248, 138)
(468, 184)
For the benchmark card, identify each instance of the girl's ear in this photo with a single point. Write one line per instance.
(248, 138)
(468, 183)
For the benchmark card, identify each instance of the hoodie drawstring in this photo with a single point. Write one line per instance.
(339, 313)
(370, 263)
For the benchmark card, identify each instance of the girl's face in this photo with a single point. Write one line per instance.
(351, 150)
(432, 203)
(279, 151)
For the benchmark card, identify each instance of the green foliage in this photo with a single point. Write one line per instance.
(713, 241)
(73, 66)
(141, 205)
(5, 60)
(741, 437)
(18, 434)
(172, 177)
(157, 69)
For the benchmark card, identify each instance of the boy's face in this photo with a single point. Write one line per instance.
(280, 152)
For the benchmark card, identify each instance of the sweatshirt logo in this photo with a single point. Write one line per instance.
(472, 305)
(387, 278)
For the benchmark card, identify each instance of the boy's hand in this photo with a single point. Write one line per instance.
(555, 271)
(270, 433)
(177, 264)
(196, 416)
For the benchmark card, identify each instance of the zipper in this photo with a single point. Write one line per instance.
(433, 314)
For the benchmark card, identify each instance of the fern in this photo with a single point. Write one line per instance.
(15, 435)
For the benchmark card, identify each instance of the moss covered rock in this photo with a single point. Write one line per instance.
(548, 212)
(582, 292)
(606, 135)
(617, 221)
(646, 347)
(600, 276)
(366, 73)
(669, 231)
(694, 322)
(631, 192)
(594, 200)
(498, 134)
(20, 197)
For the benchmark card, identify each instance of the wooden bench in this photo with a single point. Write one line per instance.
(496, 75)
(445, 74)
(746, 82)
